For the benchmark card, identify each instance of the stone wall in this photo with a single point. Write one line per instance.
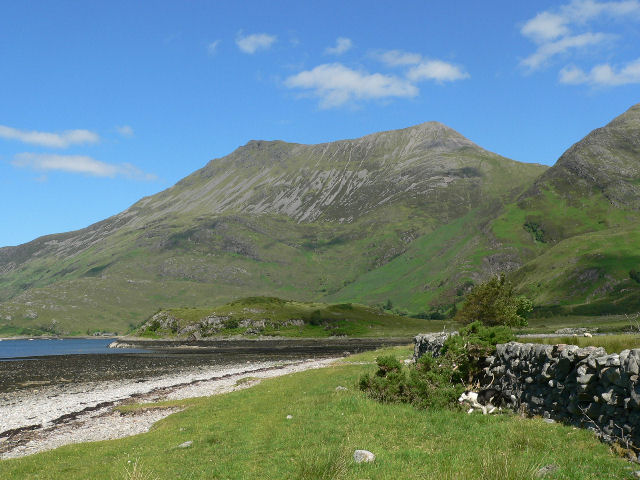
(581, 386)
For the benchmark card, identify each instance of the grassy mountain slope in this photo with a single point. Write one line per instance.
(272, 218)
(415, 216)
(575, 226)
(582, 215)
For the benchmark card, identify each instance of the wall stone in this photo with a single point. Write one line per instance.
(429, 342)
(581, 386)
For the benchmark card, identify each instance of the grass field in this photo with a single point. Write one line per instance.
(604, 323)
(246, 435)
(611, 343)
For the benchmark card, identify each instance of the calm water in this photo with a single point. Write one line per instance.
(34, 364)
(39, 347)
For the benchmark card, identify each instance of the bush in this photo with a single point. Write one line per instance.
(495, 303)
(634, 275)
(315, 318)
(231, 323)
(436, 382)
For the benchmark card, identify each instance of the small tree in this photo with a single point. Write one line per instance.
(495, 303)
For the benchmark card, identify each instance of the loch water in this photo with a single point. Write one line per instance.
(38, 347)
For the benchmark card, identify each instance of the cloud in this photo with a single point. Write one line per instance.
(550, 49)
(545, 26)
(252, 43)
(125, 131)
(554, 31)
(342, 45)
(212, 48)
(436, 70)
(51, 140)
(602, 75)
(397, 58)
(336, 85)
(44, 162)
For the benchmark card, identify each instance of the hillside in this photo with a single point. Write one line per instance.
(285, 318)
(272, 218)
(415, 216)
(581, 216)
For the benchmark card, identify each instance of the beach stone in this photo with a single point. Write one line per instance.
(363, 456)
(186, 444)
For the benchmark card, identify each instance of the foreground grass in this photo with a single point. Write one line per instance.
(611, 343)
(246, 435)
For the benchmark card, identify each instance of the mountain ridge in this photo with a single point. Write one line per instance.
(418, 214)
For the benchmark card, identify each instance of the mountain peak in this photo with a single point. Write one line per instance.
(607, 160)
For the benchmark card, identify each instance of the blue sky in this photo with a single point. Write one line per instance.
(104, 102)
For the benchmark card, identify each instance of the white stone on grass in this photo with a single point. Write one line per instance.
(363, 456)
(186, 444)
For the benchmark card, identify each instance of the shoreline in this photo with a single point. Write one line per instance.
(87, 412)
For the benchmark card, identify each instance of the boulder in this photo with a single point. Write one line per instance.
(363, 456)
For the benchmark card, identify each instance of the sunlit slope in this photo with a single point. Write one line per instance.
(272, 218)
(588, 274)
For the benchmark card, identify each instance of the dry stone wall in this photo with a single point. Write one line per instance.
(581, 386)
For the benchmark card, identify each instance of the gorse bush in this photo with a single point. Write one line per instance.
(436, 382)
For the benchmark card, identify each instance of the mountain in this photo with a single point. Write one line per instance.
(271, 218)
(413, 216)
(584, 214)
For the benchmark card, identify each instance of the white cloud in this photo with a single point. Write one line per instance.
(568, 27)
(545, 26)
(255, 42)
(343, 44)
(585, 10)
(47, 139)
(336, 85)
(550, 49)
(397, 58)
(125, 131)
(212, 48)
(436, 70)
(602, 75)
(78, 164)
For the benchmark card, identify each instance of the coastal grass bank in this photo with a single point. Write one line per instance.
(303, 426)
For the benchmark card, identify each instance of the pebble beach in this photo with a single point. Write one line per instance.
(42, 418)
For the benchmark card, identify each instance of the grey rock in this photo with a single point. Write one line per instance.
(340, 388)
(363, 456)
(587, 378)
(546, 470)
(186, 444)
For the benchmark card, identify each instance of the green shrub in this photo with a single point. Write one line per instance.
(315, 318)
(634, 275)
(495, 303)
(436, 382)
(231, 323)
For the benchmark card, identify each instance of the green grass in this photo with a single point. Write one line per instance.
(611, 343)
(338, 319)
(604, 323)
(246, 435)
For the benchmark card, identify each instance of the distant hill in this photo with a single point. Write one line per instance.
(414, 216)
(273, 316)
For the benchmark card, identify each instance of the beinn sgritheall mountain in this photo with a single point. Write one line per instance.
(415, 216)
